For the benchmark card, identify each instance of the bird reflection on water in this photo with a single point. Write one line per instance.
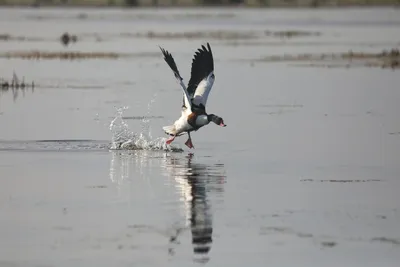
(195, 181)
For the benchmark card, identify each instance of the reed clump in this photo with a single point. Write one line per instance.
(67, 38)
(15, 83)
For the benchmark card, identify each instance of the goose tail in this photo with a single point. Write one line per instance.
(170, 129)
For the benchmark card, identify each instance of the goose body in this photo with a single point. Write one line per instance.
(193, 113)
(188, 122)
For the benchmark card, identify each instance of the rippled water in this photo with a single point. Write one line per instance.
(306, 172)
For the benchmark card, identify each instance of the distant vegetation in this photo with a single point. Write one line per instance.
(13, 83)
(171, 3)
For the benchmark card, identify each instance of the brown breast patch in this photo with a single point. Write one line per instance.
(192, 119)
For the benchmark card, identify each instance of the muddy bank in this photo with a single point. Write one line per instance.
(224, 34)
(133, 16)
(204, 3)
(67, 38)
(311, 43)
(384, 59)
(9, 37)
(215, 35)
(73, 55)
(290, 33)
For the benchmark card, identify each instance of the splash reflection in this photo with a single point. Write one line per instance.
(186, 196)
(194, 182)
(125, 164)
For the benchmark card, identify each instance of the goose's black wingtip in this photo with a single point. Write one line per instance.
(165, 52)
(209, 47)
(205, 49)
(202, 66)
(171, 63)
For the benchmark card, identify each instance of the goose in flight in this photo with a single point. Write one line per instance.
(193, 113)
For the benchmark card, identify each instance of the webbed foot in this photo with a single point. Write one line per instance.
(189, 143)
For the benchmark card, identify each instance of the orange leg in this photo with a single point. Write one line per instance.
(189, 143)
(169, 141)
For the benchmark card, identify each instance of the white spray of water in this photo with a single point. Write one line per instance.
(123, 138)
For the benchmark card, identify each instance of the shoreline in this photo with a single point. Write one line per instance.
(171, 4)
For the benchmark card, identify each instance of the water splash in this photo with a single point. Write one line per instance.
(145, 125)
(125, 139)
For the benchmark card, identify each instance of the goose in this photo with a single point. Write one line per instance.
(193, 113)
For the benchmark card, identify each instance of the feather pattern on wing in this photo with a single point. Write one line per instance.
(171, 63)
(202, 76)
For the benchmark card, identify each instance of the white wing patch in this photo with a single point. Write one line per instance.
(185, 94)
(203, 90)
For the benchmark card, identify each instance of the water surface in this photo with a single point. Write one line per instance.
(306, 172)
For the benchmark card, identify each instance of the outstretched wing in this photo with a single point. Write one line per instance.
(171, 63)
(202, 76)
